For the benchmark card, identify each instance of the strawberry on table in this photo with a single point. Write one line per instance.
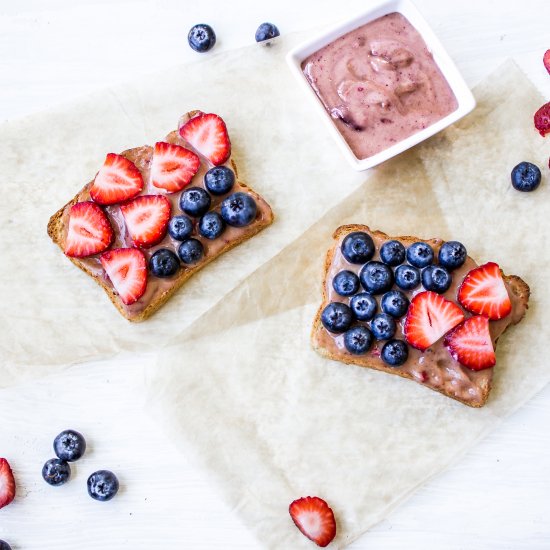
(117, 180)
(314, 518)
(146, 218)
(89, 230)
(546, 60)
(173, 167)
(127, 270)
(7, 483)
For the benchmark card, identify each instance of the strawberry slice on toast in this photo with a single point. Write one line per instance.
(127, 270)
(147, 218)
(314, 518)
(173, 167)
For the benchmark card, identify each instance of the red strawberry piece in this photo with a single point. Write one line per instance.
(470, 343)
(127, 269)
(208, 135)
(314, 518)
(117, 180)
(89, 230)
(542, 119)
(430, 316)
(7, 483)
(146, 219)
(546, 60)
(483, 292)
(173, 166)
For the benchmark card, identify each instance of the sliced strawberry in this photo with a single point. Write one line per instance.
(470, 343)
(542, 119)
(546, 60)
(207, 133)
(117, 180)
(173, 166)
(146, 219)
(7, 483)
(483, 292)
(89, 230)
(127, 269)
(429, 317)
(314, 518)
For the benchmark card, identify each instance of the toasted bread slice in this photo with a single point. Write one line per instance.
(159, 291)
(435, 367)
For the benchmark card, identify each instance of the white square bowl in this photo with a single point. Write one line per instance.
(464, 97)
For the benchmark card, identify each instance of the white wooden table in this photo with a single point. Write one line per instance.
(50, 53)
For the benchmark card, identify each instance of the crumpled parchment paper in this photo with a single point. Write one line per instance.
(242, 391)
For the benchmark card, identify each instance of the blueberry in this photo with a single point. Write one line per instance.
(525, 176)
(358, 247)
(69, 445)
(219, 180)
(358, 340)
(211, 225)
(420, 254)
(180, 227)
(346, 283)
(164, 263)
(407, 277)
(337, 317)
(436, 278)
(452, 255)
(395, 353)
(376, 277)
(195, 201)
(383, 326)
(363, 306)
(201, 38)
(395, 303)
(4, 545)
(191, 251)
(392, 253)
(266, 31)
(239, 209)
(56, 472)
(102, 485)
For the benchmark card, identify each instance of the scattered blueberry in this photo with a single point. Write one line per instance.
(69, 445)
(190, 251)
(363, 306)
(56, 472)
(164, 263)
(102, 485)
(4, 545)
(358, 340)
(452, 255)
(526, 176)
(407, 277)
(239, 209)
(395, 303)
(376, 277)
(195, 201)
(392, 253)
(201, 37)
(420, 254)
(436, 278)
(358, 247)
(383, 326)
(395, 353)
(211, 225)
(266, 31)
(346, 283)
(337, 317)
(219, 180)
(180, 227)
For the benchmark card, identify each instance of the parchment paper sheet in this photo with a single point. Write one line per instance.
(244, 393)
(53, 314)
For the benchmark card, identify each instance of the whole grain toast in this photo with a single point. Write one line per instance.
(480, 380)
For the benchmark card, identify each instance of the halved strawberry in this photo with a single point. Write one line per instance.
(470, 343)
(173, 166)
(546, 60)
(542, 119)
(146, 219)
(430, 316)
(314, 518)
(7, 483)
(89, 230)
(127, 269)
(483, 292)
(117, 180)
(207, 133)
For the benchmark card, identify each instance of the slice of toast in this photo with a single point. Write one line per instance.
(434, 367)
(159, 291)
